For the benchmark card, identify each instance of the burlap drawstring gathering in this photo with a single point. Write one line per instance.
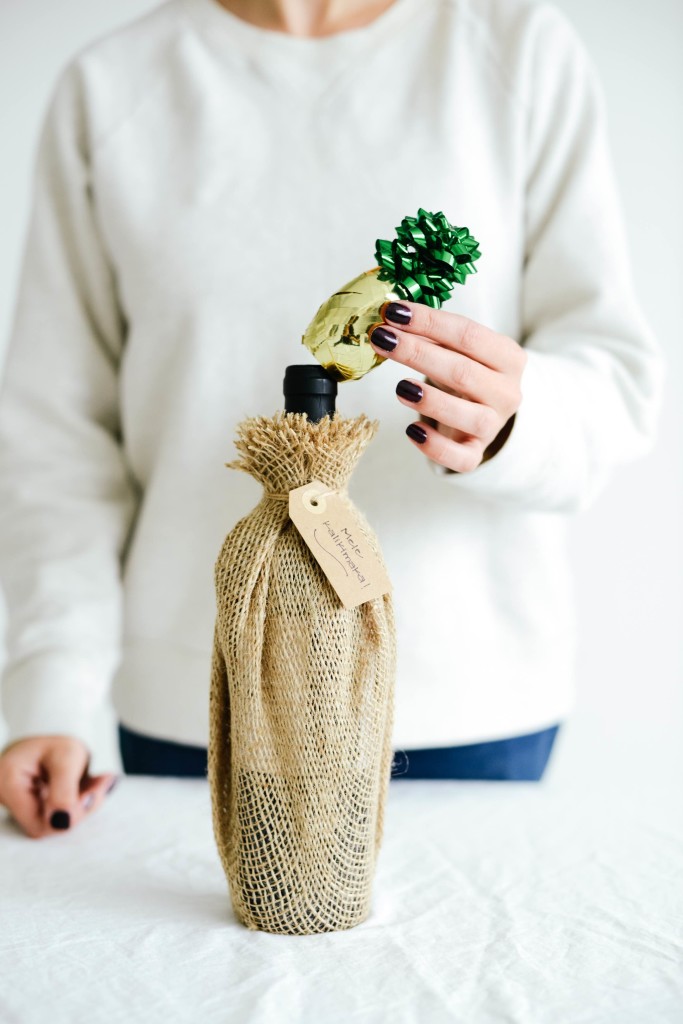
(301, 705)
(284, 495)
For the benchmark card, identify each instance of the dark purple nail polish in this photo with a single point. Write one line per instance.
(416, 433)
(397, 313)
(407, 389)
(60, 819)
(384, 339)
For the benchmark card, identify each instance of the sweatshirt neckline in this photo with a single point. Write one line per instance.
(228, 30)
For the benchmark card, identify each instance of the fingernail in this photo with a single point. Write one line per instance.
(88, 801)
(111, 785)
(384, 339)
(407, 389)
(416, 432)
(60, 819)
(397, 313)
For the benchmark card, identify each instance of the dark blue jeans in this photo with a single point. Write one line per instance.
(520, 758)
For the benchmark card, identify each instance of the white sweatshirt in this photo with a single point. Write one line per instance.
(201, 186)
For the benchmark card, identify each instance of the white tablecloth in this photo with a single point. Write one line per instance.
(493, 902)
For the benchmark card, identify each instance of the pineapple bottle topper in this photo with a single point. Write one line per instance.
(423, 263)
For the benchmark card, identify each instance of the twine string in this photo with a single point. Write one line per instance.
(284, 495)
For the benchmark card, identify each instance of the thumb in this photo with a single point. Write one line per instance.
(65, 763)
(95, 788)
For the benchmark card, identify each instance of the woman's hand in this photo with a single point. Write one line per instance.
(46, 786)
(473, 389)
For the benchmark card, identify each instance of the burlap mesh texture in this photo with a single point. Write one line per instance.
(302, 692)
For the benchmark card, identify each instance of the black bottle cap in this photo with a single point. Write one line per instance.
(311, 390)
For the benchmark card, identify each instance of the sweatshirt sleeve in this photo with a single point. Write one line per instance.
(66, 499)
(592, 384)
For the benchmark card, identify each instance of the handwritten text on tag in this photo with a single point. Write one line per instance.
(330, 527)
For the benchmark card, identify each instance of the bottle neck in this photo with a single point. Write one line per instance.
(310, 390)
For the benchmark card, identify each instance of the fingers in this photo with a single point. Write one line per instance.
(65, 761)
(95, 791)
(470, 418)
(461, 456)
(452, 369)
(20, 794)
(455, 332)
(46, 786)
(476, 375)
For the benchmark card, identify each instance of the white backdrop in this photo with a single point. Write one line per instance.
(627, 548)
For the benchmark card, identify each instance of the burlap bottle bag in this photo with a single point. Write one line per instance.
(302, 690)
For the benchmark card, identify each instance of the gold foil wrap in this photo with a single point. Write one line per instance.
(337, 335)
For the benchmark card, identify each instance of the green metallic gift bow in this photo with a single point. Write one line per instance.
(427, 258)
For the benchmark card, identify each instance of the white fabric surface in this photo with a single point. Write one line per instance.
(493, 902)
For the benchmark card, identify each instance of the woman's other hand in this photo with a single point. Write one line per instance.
(473, 373)
(46, 786)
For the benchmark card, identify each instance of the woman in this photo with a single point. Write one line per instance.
(206, 176)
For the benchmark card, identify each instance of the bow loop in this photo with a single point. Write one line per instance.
(427, 258)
